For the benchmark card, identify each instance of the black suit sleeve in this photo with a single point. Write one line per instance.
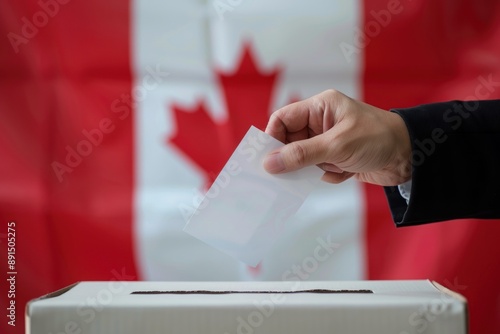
(455, 163)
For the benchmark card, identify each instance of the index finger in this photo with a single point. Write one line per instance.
(289, 119)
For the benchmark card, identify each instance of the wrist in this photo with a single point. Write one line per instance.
(402, 147)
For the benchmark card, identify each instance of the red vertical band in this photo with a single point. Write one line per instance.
(66, 176)
(419, 52)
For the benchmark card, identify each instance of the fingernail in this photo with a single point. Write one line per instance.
(273, 163)
(331, 168)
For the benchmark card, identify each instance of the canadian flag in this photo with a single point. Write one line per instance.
(115, 114)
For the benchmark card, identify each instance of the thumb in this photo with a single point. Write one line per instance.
(296, 155)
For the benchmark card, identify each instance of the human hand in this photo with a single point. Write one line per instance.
(342, 136)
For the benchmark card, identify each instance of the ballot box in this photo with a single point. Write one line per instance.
(341, 307)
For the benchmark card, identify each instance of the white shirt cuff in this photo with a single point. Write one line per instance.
(405, 190)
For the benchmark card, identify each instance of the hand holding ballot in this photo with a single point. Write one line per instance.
(449, 151)
(344, 137)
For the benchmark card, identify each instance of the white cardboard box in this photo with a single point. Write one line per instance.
(384, 307)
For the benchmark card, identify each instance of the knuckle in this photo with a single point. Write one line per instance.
(331, 92)
(298, 154)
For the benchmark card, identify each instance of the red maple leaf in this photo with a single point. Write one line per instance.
(247, 95)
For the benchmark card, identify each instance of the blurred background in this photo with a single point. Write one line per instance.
(114, 114)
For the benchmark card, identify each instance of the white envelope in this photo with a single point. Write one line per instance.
(243, 212)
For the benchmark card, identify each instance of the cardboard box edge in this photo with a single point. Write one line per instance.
(458, 297)
(49, 295)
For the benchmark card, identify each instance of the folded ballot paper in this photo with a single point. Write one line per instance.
(243, 212)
